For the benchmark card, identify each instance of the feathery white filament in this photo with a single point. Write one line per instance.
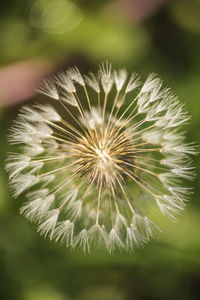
(93, 181)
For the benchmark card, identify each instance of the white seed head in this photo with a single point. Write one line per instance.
(68, 98)
(95, 170)
(64, 232)
(106, 77)
(63, 80)
(22, 182)
(48, 88)
(34, 210)
(133, 83)
(48, 113)
(48, 225)
(120, 78)
(76, 76)
(93, 82)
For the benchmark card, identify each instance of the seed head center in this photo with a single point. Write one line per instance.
(103, 155)
(104, 158)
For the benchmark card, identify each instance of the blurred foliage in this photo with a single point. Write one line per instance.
(187, 14)
(85, 33)
(59, 28)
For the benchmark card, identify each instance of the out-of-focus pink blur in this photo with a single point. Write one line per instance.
(138, 10)
(18, 81)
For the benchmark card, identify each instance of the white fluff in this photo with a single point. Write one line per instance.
(48, 226)
(94, 177)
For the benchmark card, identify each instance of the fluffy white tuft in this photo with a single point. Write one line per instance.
(98, 169)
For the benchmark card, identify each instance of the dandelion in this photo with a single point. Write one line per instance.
(96, 168)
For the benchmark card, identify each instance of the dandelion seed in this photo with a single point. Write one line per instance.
(133, 237)
(93, 181)
(48, 88)
(16, 163)
(133, 83)
(65, 82)
(120, 78)
(22, 182)
(106, 77)
(114, 241)
(76, 76)
(93, 82)
(48, 226)
(82, 240)
(64, 232)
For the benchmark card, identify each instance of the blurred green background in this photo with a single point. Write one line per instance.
(42, 36)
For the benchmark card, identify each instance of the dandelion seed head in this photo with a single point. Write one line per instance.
(94, 181)
(102, 160)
